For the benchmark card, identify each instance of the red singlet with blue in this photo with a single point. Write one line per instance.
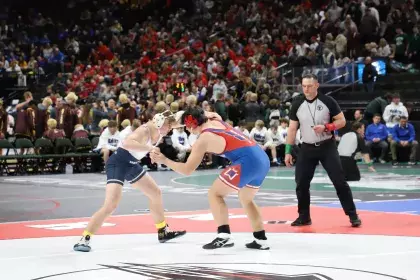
(249, 163)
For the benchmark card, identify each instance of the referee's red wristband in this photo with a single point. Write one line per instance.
(330, 127)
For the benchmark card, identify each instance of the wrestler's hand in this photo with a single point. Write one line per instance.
(155, 150)
(288, 160)
(372, 169)
(213, 116)
(157, 157)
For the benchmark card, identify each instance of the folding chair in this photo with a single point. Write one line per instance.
(81, 160)
(63, 150)
(25, 161)
(44, 148)
(95, 142)
(5, 147)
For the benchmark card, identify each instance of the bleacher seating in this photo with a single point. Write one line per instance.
(43, 156)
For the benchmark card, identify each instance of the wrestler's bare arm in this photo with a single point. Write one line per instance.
(213, 116)
(198, 151)
(137, 141)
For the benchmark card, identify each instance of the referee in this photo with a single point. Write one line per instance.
(351, 143)
(318, 116)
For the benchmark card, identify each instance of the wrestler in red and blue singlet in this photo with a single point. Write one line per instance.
(250, 163)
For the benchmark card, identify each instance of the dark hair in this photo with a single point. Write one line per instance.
(197, 113)
(112, 124)
(310, 76)
(242, 123)
(395, 95)
(356, 125)
(377, 115)
(403, 118)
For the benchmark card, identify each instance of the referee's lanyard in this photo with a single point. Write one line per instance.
(313, 115)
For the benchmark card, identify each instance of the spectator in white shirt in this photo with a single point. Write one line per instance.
(180, 143)
(242, 128)
(128, 129)
(259, 134)
(384, 50)
(109, 140)
(394, 111)
(219, 87)
(274, 141)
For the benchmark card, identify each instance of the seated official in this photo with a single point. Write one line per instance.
(403, 135)
(351, 143)
(376, 136)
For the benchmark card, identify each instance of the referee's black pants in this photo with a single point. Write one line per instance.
(306, 163)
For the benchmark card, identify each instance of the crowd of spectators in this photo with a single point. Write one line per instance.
(229, 57)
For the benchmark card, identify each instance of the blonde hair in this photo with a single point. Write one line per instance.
(103, 123)
(174, 107)
(169, 98)
(125, 123)
(253, 97)
(27, 94)
(48, 101)
(52, 123)
(77, 126)
(160, 107)
(136, 124)
(191, 101)
(259, 124)
(71, 96)
(123, 98)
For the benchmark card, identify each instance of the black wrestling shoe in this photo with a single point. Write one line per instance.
(165, 234)
(258, 244)
(222, 240)
(302, 221)
(355, 221)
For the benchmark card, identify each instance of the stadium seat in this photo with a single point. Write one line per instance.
(95, 142)
(82, 145)
(63, 146)
(26, 163)
(23, 143)
(44, 146)
(6, 145)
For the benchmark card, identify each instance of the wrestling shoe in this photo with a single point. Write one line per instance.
(355, 221)
(223, 240)
(258, 244)
(83, 244)
(165, 234)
